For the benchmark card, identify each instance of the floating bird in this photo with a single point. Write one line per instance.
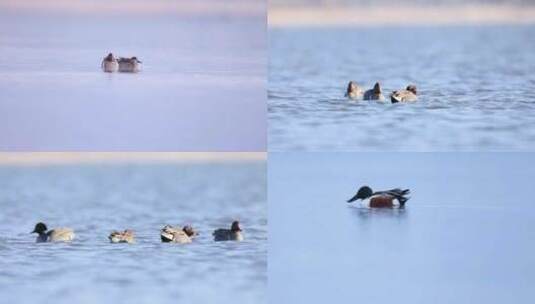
(381, 199)
(353, 91)
(129, 65)
(109, 64)
(375, 93)
(170, 234)
(54, 235)
(232, 234)
(407, 95)
(126, 236)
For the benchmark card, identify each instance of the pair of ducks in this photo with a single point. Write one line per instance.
(186, 234)
(394, 198)
(356, 92)
(168, 234)
(111, 64)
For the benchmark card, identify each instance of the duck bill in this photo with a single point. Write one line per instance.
(354, 198)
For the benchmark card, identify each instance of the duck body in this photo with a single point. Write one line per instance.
(54, 235)
(170, 234)
(109, 64)
(126, 236)
(407, 95)
(129, 65)
(353, 91)
(374, 94)
(394, 198)
(232, 234)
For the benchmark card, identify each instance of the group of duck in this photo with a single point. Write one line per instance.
(168, 234)
(355, 92)
(112, 64)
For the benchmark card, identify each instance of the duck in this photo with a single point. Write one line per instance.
(407, 95)
(381, 199)
(170, 234)
(375, 93)
(109, 64)
(353, 91)
(126, 236)
(232, 234)
(129, 65)
(54, 235)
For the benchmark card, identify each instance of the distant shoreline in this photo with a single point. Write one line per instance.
(322, 16)
(239, 8)
(73, 158)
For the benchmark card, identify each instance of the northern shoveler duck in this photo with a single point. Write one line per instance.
(109, 64)
(129, 65)
(54, 235)
(381, 199)
(170, 234)
(375, 93)
(232, 234)
(407, 95)
(353, 91)
(126, 236)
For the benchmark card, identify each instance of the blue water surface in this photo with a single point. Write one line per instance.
(96, 199)
(476, 88)
(465, 236)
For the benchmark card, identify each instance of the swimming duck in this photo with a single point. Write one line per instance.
(54, 235)
(381, 199)
(126, 236)
(407, 95)
(353, 91)
(109, 64)
(375, 93)
(129, 65)
(232, 234)
(170, 234)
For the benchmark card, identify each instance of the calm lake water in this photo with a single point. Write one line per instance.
(465, 236)
(476, 84)
(202, 87)
(95, 199)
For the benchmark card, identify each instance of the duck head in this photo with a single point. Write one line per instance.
(134, 59)
(39, 228)
(110, 57)
(363, 193)
(411, 88)
(235, 227)
(189, 231)
(377, 88)
(351, 87)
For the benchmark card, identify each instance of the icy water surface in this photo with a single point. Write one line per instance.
(476, 84)
(202, 87)
(94, 200)
(466, 235)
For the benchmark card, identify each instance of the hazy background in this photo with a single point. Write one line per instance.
(465, 236)
(202, 87)
(379, 2)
